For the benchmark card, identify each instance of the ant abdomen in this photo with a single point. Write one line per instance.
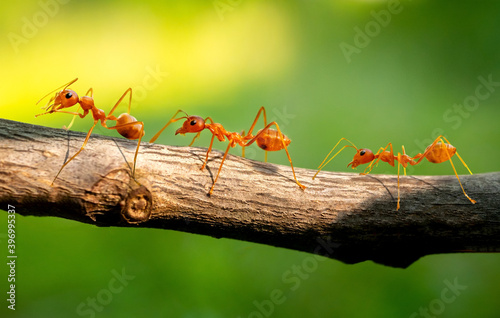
(131, 132)
(270, 140)
(441, 152)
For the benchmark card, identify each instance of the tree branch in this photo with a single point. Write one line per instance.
(344, 216)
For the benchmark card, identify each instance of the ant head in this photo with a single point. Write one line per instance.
(362, 156)
(64, 99)
(193, 124)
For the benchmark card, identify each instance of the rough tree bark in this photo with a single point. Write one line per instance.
(344, 216)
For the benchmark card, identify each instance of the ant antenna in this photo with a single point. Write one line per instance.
(323, 163)
(65, 86)
(172, 120)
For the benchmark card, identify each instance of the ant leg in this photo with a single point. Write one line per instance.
(72, 120)
(208, 152)
(323, 163)
(403, 160)
(91, 91)
(172, 120)
(403, 163)
(456, 174)
(220, 167)
(284, 146)
(463, 162)
(421, 156)
(85, 112)
(76, 154)
(461, 186)
(129, 90)
(262, 111)
(399, 164)
(195, 137)
(141, 134)
(242, 147)
(137, 149)
(375, 162)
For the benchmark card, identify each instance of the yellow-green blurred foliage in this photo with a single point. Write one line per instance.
(371, 71)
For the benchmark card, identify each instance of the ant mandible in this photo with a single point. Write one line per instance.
(126, 124)
(267, 139)
(439, 151)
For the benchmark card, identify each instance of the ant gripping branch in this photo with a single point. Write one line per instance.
(126, 124)
(267, 139)
(439, 151)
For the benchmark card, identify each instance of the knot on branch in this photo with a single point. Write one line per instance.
(117, 194)
(136, 208)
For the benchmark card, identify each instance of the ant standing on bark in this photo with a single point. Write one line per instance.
(267, 139)
(126, 124)
(439, 151)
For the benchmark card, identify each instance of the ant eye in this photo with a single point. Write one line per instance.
(68, 95)
(362, 152)
(193, 122)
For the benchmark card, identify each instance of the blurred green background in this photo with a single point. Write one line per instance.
(371, 71)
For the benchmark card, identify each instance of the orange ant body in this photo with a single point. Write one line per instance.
(439, 151)
(126, 124)
(267, 139)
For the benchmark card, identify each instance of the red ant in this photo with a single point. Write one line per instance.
(268, 139)
(126, 125)
(439, 151)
